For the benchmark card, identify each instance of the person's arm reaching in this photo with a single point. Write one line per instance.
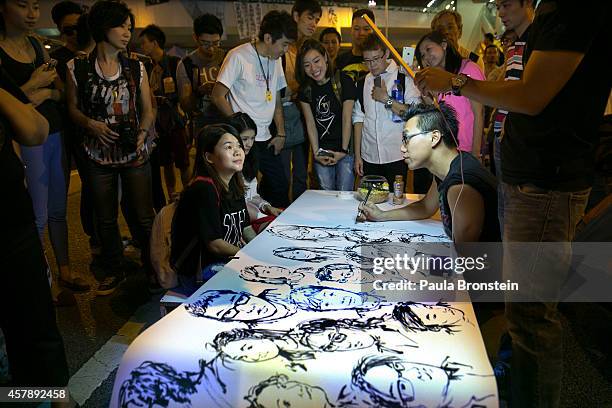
(478, 111)
(219, 98)
(545, 74)
(419, 210)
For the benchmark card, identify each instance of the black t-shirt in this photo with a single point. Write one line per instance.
(16, 206)
(62, 55)
(477, 177)
(327, 109)
(352, 65)
(20, 73)
(200, 213)
(555, 149)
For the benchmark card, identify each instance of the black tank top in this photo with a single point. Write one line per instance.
(21, 72)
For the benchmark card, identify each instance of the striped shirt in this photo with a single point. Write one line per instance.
(514, 72)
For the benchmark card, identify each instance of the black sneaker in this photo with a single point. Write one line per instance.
(109, 285)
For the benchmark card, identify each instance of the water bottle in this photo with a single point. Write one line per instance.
(397, 93)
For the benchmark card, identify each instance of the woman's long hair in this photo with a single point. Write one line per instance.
(208, 138)
(243, 122)
(300, 74)
(452, 61)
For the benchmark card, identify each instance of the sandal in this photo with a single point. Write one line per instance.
(77, 284)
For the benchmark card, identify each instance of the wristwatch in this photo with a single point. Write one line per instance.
(389, 103)
(458, 82)
(343, 150)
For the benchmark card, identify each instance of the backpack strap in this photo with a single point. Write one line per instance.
(40, 54)
(360, 89)
(284, 63)
(131, 70)
(189, 67)
(209, 180)
(474, 57)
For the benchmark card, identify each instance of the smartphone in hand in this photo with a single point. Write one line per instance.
(325, 153)
(51, 64)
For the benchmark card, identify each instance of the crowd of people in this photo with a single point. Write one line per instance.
(501, 141)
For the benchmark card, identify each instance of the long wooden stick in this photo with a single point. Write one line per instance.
(396, 55)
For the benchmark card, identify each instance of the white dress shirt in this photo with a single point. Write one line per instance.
(381, 138)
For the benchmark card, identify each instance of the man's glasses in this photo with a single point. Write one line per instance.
(69, 30)
(407, 136)
(373, 60)
(209, 44)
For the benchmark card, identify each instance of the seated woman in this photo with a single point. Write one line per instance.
(463, 190)
(211, 215)
(259, 209)
(327, 102)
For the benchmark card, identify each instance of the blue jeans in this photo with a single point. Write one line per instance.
(46, 177)
(535, 215)
(337, 177)
(498, 174)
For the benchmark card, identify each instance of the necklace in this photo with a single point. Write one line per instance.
(266, 77)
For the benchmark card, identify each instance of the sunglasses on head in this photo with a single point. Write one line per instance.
(69, 30)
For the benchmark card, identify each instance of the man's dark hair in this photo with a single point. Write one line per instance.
(490, 37)
(154, 33)
(63, 9)
(207, 24)
(330, 30)
(82, 32)
(278, 23)
(107, 14)
(430, 118)
(301, 6)
(361, 13)
(373, 43)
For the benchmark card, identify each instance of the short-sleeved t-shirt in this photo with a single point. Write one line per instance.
(205, 73)
(242, 74)
(202, 213)
(463, 107)
(555, 149)
(480, 179)
(16, 208)
(327, 109)
(352, 65)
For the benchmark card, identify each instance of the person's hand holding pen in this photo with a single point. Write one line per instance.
(369, 212)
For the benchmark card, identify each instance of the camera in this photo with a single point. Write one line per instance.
(128, 135)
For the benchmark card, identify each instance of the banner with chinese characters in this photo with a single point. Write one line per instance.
(248, 19)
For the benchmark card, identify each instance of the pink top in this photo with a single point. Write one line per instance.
(462, 106)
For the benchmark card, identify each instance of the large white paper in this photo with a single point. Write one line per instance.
(288, 325)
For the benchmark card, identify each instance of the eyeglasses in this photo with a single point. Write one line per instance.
(69, 30)
(373, 60)
(407, 136)
(209, 44)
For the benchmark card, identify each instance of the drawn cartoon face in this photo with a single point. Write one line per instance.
(271, 274)
(251, 350)
(406, 383)
(301, 233)
(322, 298)
(435, 315)
(340, 273)
(306, 254)
(340, 340)
(287, 394)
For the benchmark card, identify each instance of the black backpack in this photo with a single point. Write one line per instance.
(361, 84)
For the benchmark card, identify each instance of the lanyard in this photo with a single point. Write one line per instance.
(267, 78)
